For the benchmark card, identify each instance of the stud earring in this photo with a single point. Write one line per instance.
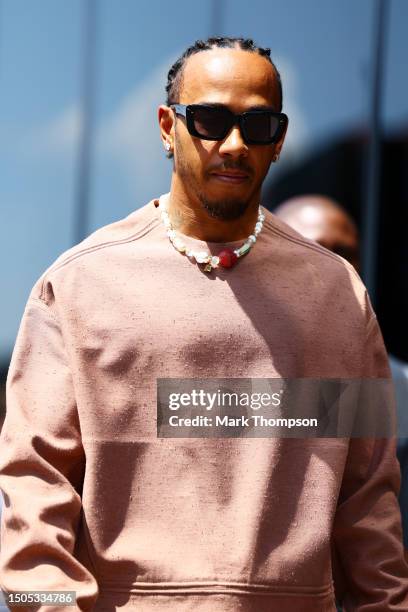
(275, 157)
(167, 146)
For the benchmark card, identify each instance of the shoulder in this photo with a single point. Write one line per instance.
(97, 249)
(313, 264)
(301, 245)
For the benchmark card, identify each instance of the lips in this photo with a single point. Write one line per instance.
(230, 176)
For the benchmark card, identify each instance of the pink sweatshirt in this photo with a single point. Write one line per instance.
(95, 502)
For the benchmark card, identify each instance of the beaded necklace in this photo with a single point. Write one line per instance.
(226, 258)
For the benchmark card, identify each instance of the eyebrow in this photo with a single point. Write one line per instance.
(254, 107)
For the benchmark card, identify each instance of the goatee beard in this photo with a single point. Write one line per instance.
(224, 210)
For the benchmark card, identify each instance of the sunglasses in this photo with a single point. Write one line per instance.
(214, 122)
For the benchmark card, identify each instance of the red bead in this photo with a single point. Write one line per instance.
(227, 258)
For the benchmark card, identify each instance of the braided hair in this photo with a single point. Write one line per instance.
(174, 77)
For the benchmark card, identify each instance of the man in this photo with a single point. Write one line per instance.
(206, 285)
(320, 218)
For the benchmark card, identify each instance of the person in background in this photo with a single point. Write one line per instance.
(325, 221)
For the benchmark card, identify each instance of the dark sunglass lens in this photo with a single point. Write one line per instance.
(210, 122)
(261, 127)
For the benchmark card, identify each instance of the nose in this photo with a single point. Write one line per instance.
(233, 144)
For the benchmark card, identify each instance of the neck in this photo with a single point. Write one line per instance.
(188, 217)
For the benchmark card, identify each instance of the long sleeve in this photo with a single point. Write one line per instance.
(42, 466)
(367, 526)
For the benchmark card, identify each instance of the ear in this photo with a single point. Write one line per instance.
(278, 146)
(166, 123)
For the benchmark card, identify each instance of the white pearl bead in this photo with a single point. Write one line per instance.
(201, 257)
(180, 246)
(252, 238)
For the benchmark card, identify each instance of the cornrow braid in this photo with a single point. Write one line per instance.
(175, 74)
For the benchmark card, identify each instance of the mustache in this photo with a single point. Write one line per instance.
(231, 166)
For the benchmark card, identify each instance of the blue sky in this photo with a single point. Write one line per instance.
(322, 48)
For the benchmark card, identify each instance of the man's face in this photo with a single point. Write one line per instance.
(336, 233)
(328, 226)
(239, 80)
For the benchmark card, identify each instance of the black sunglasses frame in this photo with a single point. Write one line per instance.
(188, 111)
